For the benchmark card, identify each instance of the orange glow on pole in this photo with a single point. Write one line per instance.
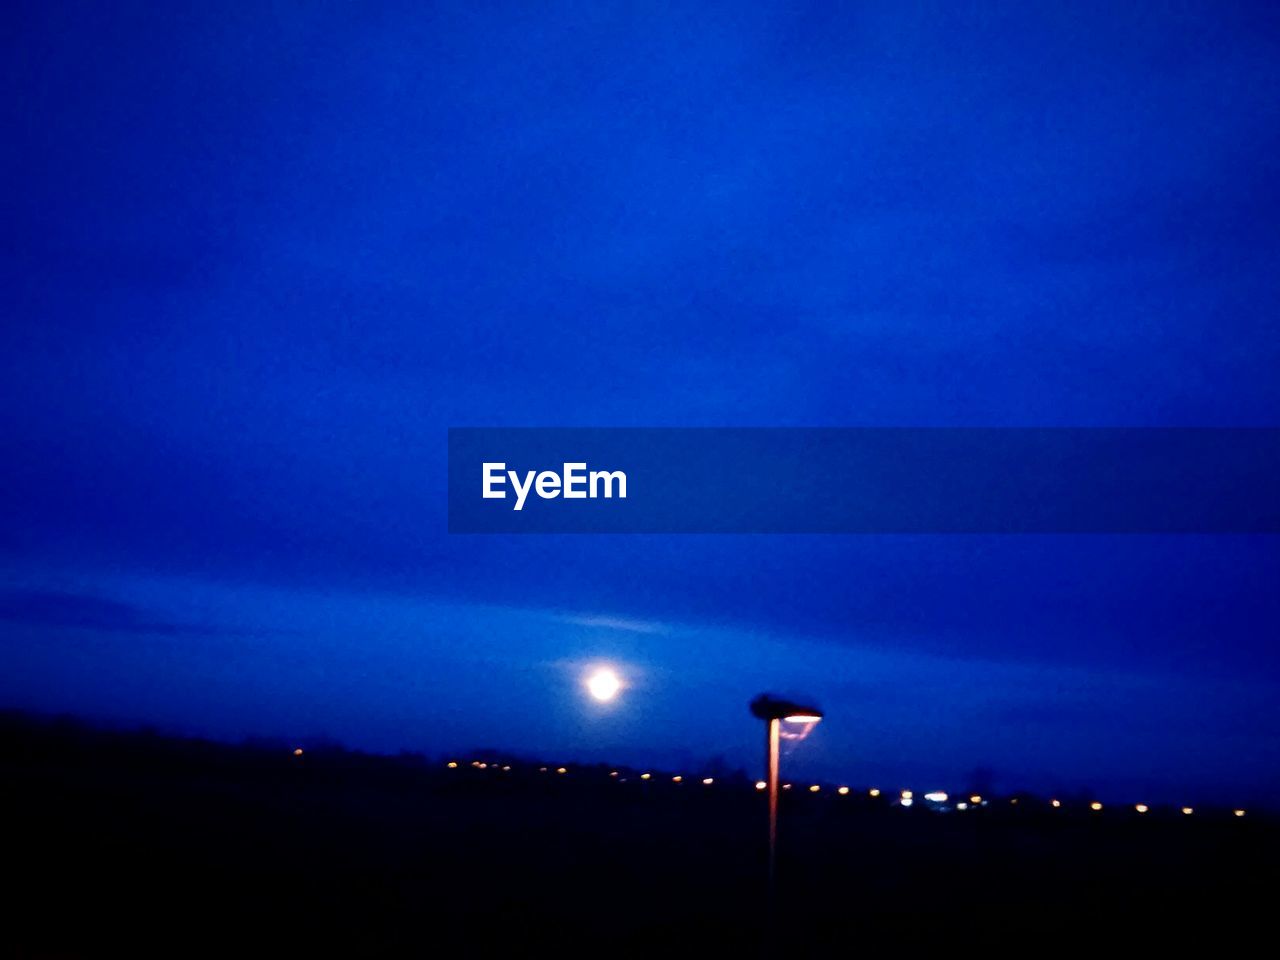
(772, 734)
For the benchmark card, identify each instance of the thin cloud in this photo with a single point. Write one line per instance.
(84, 611)
(616, 623)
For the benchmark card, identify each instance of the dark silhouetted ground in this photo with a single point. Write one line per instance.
(136, 844)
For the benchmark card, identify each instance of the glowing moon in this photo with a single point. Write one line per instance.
(604, 684)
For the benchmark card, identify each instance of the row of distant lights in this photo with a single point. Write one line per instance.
(906, 798)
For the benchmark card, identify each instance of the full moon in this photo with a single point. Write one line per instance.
(604, 684)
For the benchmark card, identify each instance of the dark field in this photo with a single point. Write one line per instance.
(134, 844)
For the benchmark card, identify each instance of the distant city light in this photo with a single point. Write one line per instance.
(604, 684)
(297, 751)
(906, 797)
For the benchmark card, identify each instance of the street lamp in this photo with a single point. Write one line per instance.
(775, 711)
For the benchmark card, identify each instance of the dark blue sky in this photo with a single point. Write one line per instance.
(257, 261)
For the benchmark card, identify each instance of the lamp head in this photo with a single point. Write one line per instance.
(768, 707)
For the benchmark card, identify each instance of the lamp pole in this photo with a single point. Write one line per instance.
(771, 761)
(774, 712)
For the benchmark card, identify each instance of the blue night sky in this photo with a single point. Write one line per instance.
(258, 258)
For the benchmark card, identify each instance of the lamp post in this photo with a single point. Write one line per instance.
(775, 712)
